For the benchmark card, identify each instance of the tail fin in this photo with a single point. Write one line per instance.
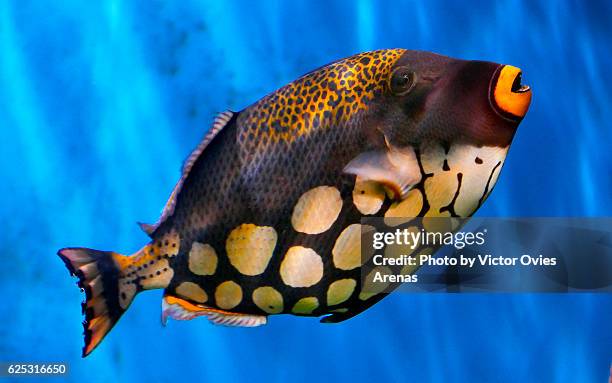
(107, 296)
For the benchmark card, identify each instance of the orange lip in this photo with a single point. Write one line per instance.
(511, 99)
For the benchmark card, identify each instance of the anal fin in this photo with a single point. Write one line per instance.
(180, 309)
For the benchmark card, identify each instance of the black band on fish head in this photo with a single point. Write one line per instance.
(435, 98)
(458, 107)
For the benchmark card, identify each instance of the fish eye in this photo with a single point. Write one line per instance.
(401, 81)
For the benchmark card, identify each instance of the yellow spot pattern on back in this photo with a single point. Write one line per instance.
(329, 95)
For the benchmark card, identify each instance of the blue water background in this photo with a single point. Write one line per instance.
(100, 101)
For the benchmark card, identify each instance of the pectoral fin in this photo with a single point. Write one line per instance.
(395, 168)
(180, 309)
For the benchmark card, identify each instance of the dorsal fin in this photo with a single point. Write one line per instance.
(219, 122)
(180, 309)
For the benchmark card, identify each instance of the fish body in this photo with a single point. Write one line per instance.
(265, 218)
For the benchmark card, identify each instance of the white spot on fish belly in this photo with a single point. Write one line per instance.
(305, 306)
(268, 299)
(316, 210)
(250, 247)
(340, 291)
(368, 196)
(347, 249)
(440, 190)
(432, 158)
(474, 165)
(301, 267)
(475, 175)
(228, 295)
(192, 291)
(370, 287)
(408, 208)
(202, 259)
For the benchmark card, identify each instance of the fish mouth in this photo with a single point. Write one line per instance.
(509, 97)
(517, 86)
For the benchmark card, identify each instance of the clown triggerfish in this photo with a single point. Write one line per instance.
(266, 214)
